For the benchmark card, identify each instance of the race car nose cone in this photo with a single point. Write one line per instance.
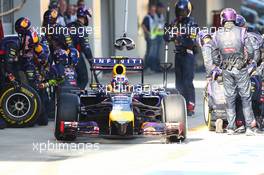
(121, 128)
(121, 116)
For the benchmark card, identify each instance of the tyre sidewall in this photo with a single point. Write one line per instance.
(32, 114)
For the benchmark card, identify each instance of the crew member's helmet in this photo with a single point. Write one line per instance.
(183, 9)
(53, 4)
(60, 56)
(240, 21)
(74, 56)
(50, 17)
(22, 25)
(83, 12)
(228, 14)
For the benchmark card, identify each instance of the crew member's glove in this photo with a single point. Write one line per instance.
(53, 82)
(168, 30)
(11, 77)
(43, 85)
(252, 68)
(216, 72)
(260, 70)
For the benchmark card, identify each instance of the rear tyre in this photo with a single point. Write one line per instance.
(19, 106)
(67, 111)
(174, 111)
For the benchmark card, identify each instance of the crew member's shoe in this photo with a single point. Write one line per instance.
(230, 132)
(219, 126)
(190, 109)
(2, 124)
(240, 129)
(43, 120)
(252, 131)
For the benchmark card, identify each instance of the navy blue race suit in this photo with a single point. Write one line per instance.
(81, 43)
(183, 33)
(27, 64)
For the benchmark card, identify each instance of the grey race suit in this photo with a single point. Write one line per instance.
(210, 56)
(235, 48)
(257, 44)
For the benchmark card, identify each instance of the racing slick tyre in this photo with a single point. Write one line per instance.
(67, 89)
(19, 106)
(172, 90)
(208, 115)
(174, 111)
(67, 111)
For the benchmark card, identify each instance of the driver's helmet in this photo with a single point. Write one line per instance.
(119, 81)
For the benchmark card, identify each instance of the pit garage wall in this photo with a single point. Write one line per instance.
(34, 9)
(108, 23)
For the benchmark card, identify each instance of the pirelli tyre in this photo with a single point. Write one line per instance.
(66, 111)
(174, 111)
(20, 106)
(208, 115)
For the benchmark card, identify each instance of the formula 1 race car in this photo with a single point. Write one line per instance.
(120, 109)
(215, 104)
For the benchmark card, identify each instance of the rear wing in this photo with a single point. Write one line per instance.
(102, 64)
(131, 64)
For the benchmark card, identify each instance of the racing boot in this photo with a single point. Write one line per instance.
(2, 124)
(190, 109)
(219, 126)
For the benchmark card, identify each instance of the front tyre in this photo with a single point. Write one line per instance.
(174, 111)
(67, 111)
(20, 106)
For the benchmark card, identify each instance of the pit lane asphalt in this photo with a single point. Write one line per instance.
(35, 151)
